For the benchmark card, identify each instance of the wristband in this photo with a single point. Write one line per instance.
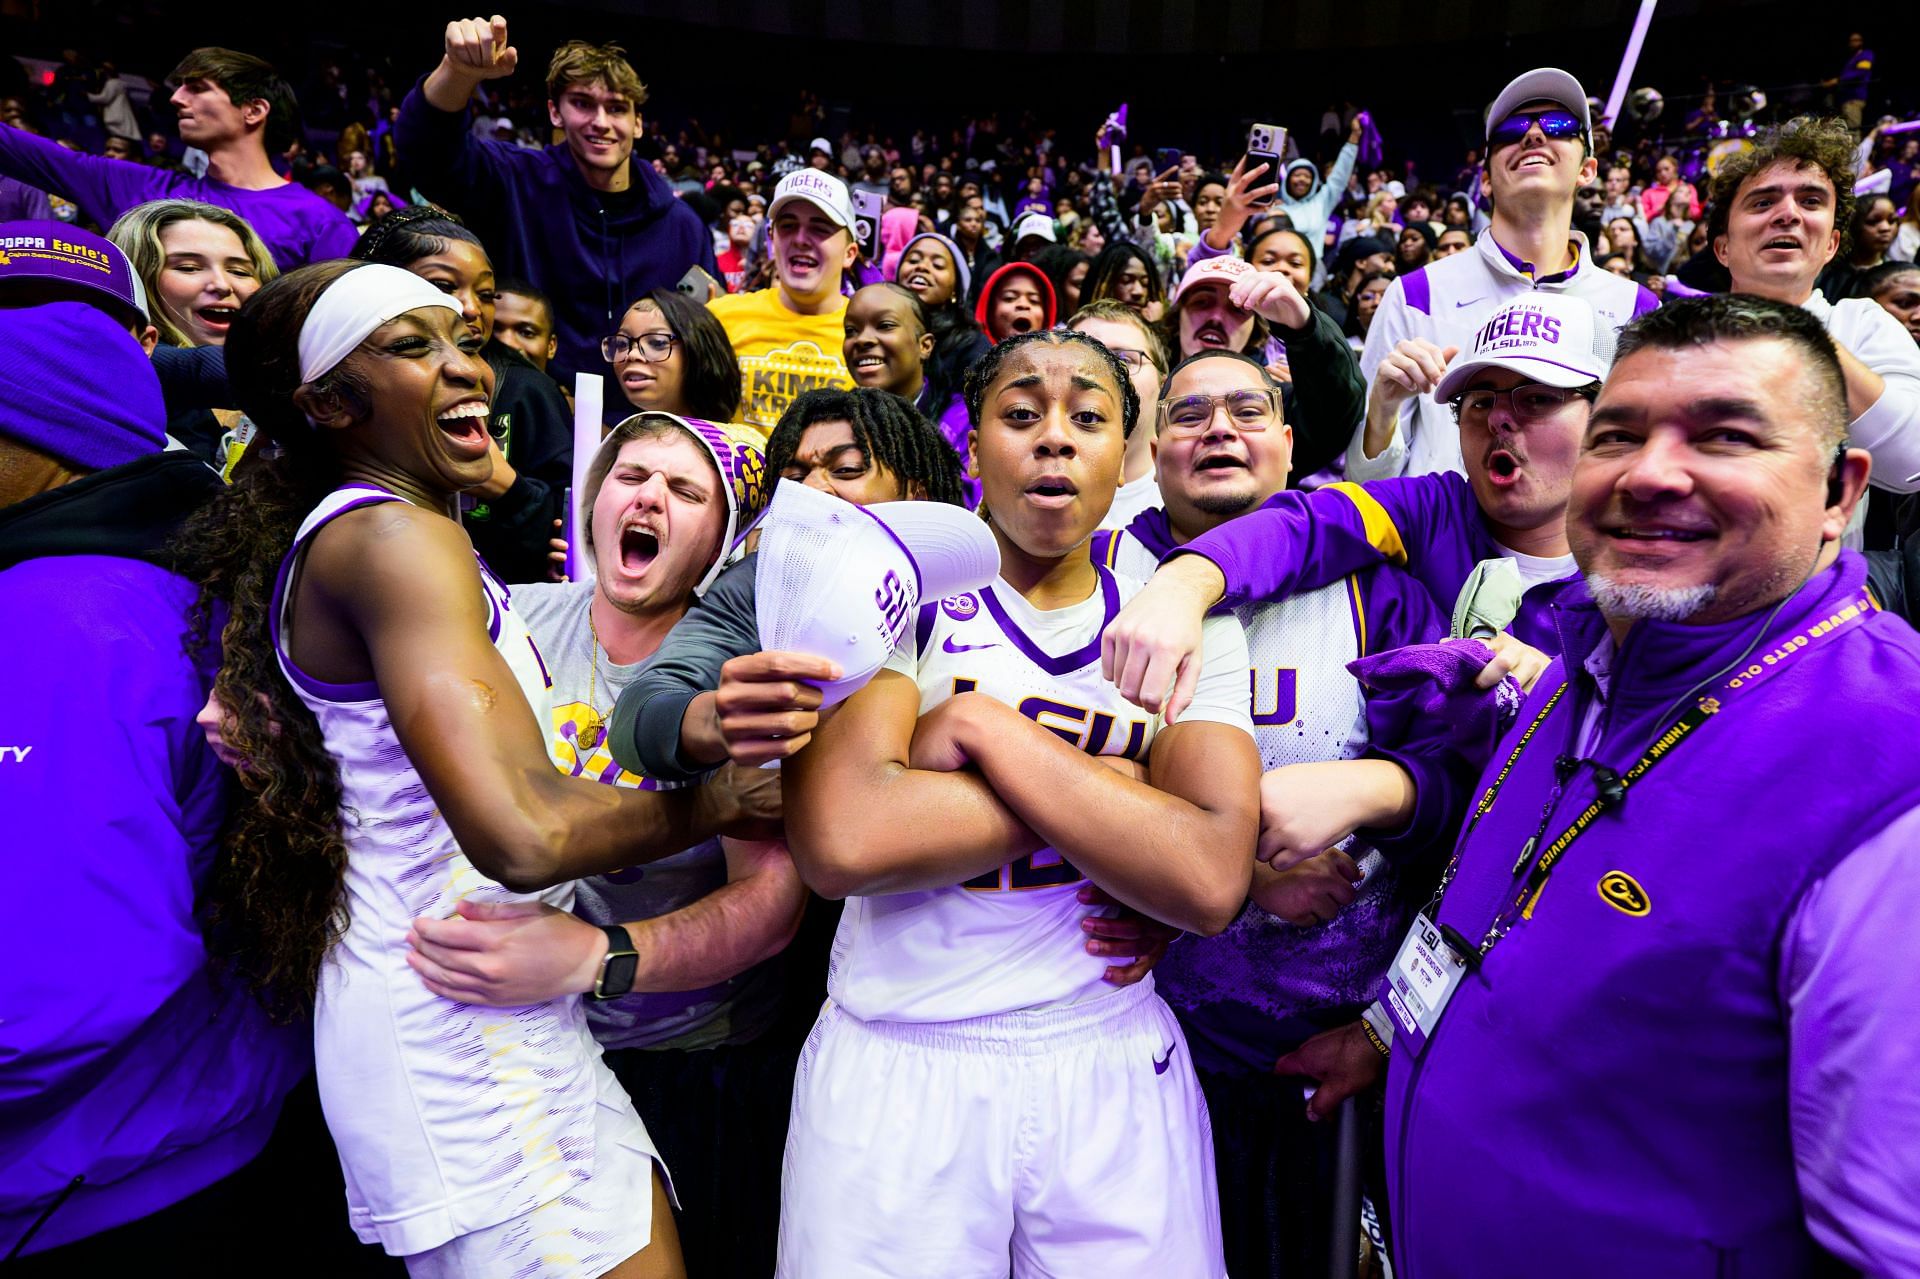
(1379, 1028)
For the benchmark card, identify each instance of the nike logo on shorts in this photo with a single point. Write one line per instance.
(1160, 1063)
(952, 647)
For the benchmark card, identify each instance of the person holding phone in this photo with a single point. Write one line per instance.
(787, 338)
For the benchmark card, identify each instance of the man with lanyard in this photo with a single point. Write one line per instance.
(681, 960)
(1780, 211)
(1539, 153)
(1657, 1020)
(1492, 546)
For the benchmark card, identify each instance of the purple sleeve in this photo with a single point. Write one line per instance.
(1442, 761)
(1645, 300)
(336, 240)
(1201, 251)
(1853, 1023)
(445, 160)
(103, 188)
(1302, 541)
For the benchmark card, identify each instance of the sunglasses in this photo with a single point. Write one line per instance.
(1556, 123)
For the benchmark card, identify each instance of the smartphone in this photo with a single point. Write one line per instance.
(1265, 143)
(1166, 158)
(867, 208)
(699, 286)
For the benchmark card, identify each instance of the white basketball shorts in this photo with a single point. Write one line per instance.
(1058, 1142)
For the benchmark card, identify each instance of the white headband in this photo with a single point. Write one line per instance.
(356, 304)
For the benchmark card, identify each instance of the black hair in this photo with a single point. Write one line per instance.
(1740, 317)
(943, 378)
(1057, 262)
(710, 386)
(886, 427)
(521, 289)
(1352, 327)
(982, 374)
(1277, 224)
(245, 79)
(725, 193)
(408, 234)
(1875, 278)
(1104, 274)
(1211, 179)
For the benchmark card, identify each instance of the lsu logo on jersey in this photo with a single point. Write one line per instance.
(1282, 703)
(1090, 731)
(894, 600)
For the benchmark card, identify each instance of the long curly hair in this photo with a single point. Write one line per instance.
(276, 900)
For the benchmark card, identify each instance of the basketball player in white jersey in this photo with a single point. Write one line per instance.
(406, 770)
(975, 1099)
(1358, 795)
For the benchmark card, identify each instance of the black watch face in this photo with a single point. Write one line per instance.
(617, 979)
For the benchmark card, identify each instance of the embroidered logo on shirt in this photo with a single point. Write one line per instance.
(1623, 892)
(1160, 1063)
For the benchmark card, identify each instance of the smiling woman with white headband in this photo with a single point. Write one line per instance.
(377, 700)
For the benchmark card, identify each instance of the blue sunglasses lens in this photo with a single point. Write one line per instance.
(1555, 124)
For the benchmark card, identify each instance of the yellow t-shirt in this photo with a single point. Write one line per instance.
(781, 354)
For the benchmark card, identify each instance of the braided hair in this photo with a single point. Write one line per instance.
(886, 427)
(406, 235)
(982, 375)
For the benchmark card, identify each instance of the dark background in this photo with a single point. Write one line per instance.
(1195, 73)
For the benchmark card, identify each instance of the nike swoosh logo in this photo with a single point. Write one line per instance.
(952, 647)
(1468, 302)
(1160, 1063)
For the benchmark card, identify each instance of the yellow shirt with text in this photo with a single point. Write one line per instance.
(781, 354)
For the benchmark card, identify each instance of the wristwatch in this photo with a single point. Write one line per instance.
(617, 969)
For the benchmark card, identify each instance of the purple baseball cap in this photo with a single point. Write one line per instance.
(56, 257)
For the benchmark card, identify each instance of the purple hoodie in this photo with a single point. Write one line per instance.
(296, 225)
(1430, 525)
(1697, 1055)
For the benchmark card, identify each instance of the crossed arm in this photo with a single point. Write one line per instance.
(875, 807)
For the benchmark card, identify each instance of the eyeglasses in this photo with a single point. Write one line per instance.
(1247, 410)
(648, 348)
(1528, 403)
(1134, 360)
(1556, 123)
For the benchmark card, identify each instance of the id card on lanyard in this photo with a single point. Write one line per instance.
(1435, 958)
(1423, 978)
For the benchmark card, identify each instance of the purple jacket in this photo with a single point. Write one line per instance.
(297, 226)
(1430, 525)
(132, 1072)
(1697, 1055)
(592, 252)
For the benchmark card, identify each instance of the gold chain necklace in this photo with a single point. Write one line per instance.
(593, 729)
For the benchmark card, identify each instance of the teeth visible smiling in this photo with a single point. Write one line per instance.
(473, 408)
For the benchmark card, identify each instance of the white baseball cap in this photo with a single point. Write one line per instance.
(822, 190)
(843, 582)
(1544, 84)
(1550, 338)
(1036, 224)
(820, 144)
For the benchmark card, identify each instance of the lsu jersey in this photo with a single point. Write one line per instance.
(1011, 939)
